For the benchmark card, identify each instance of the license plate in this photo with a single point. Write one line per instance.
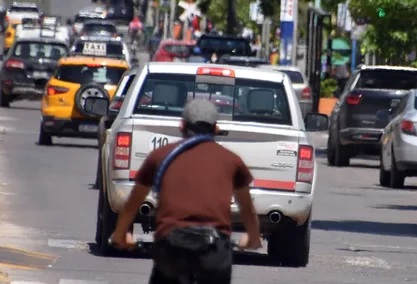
(38, 74)
(88, 128)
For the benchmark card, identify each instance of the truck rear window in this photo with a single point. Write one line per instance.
(97, 28)
(82, 74)
(387, 79)
(247, 100)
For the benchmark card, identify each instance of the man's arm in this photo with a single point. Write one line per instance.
(242, 180)
(249, 216)
(127, 215)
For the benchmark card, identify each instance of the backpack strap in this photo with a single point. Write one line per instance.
(182, 147)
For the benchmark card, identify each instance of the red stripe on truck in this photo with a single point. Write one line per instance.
(261, 183)
(274, 184)
(132, 174)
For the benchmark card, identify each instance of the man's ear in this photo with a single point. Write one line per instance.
(182, 126)
(216, 129)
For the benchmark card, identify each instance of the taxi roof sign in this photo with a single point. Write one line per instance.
(95, 49)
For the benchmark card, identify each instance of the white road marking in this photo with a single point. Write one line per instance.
(370, 262)
(365, 246)
(67, 244)
(26, 282)
(74, 281)
(7, 118)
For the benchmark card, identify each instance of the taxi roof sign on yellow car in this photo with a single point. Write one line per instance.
(86, 60)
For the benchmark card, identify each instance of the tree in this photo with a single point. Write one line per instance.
(392, 29)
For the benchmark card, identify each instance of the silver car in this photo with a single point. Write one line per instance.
(299, 83)
(399, 142)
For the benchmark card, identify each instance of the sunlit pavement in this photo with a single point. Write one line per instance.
(362, 233)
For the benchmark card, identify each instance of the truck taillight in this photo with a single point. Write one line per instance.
(305, 170)
(306, 93)
(121, 153)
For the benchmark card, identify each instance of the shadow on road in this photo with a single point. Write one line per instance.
(67, 145)
(239, 258)
(397, 207)
(367, 227)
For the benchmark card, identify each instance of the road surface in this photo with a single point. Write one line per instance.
(362, 233)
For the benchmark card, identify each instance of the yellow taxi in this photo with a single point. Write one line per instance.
(76, 78)
(10, 34)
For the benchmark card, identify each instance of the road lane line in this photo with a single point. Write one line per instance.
(16, 266)
(26, 282)
(370, 262)
(74, 281)
(28, 252)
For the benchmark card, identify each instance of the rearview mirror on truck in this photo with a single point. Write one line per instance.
(96, 106)
(316, 122)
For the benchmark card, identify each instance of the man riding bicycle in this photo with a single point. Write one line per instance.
(192, 239)
(135, 28)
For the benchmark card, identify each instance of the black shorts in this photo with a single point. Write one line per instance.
(212, 266)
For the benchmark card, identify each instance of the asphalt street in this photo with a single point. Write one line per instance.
(362, 233)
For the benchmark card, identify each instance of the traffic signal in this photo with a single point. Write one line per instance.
(381, 12)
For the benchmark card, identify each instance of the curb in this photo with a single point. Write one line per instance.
(4, 278)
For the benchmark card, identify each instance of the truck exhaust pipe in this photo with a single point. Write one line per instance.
(274, 217)
(145, 209)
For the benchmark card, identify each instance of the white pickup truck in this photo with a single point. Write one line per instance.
(260, 121)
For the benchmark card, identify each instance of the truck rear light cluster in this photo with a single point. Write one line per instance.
(305, 169)
(407, 127)
(121, 153)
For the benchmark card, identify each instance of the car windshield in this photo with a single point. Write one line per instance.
(295, 76)
(98, 28)
(387, 79)
(82, 74)
(24, 9)
(247, 100)
(40, 50)
(104, 49)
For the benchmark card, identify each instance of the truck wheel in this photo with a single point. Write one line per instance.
(330, 151)
(384, 176)
(291, 248)
(397, 177)
(44, 139)
(341, 155)
(4, 100)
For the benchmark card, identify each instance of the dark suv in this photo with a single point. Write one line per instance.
(356, 122)
(27, 67)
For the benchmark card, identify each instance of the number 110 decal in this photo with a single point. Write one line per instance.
(158, 141)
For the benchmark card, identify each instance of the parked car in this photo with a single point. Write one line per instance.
(107, 121)
(354, 128)
(399, 142)
(173, 50)
(265, 118)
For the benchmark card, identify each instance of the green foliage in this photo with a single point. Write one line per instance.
(327, 88)
(392, 30)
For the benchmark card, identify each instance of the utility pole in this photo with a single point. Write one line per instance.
(231, 16)
(173, 5)
(295, 31)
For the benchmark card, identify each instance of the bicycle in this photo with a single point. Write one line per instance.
(189, 278)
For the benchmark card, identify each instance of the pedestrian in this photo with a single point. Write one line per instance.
(196, 192)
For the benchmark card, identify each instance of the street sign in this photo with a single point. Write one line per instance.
(190, 9)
